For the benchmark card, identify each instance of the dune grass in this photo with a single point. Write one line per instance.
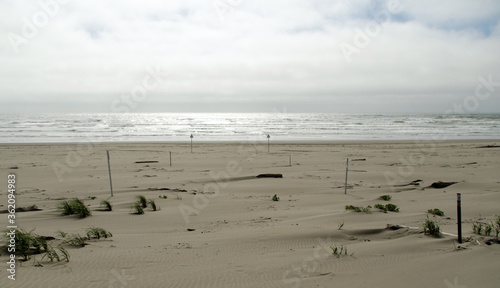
(436, 212)
(339, 251)
(97, 233)
(106, 205)
(74, 207)
(75, 240)
(276, 198)
(138, 209)
(431, 228)
(152, 204)
(142, 201)
(385, 197)
(366, 209)
(29, 244)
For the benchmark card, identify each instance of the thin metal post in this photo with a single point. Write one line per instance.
(109, 171)
(191, 142)
(346, 172)
(459, 217)
(268, 137)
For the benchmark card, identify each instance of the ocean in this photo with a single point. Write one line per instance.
(158, 127)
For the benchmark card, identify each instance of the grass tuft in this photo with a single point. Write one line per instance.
(106, 205)
(431, 228)
(276, 198)
(359, 209)
(29, 243)
(435, 212)
(138, 210)
(142, 200)
(388, 207)
(385, 197)
(74, 207)
(97, 233)
(152, 204)
(75, 240)
(339, 251)
(341, 225)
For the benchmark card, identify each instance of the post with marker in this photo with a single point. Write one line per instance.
(346, 172)
(191, 142)
(268, 137)
(459, 217)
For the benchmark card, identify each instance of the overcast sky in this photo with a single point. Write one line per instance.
(249, 56)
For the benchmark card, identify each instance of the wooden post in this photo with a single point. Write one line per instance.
(109, 171)
(346, 172)
(170, 153)
(459, 217)
(191, 142)
(290, 157)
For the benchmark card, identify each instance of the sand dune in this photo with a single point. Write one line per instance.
(241, 238)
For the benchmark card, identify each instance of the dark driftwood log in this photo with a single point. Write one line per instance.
(489, 146)
(412, 183)
(143, 162)
(439, 184)
(270, 176)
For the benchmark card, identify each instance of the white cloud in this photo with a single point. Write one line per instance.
(266, 52)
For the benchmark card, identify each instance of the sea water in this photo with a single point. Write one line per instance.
(158, 127)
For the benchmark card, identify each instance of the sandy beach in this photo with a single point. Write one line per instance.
(218, 225)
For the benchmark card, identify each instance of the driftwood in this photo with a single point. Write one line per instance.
(167, 189)
(489, 146)
(270, 176)
(412, 183)
(440, 184)
(144, 162)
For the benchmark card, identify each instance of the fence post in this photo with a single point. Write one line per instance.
(459, 217)
(109, 171)
(346, 172)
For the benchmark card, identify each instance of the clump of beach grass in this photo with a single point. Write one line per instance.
(106, 206)
(385, 197)
(97, 233)
(431, 228)
(436, 212)
(29, 244)
(75, 240)
(152, 204)
(366, 209)
(339, 250)
(142, 200)
(276, 198)
(137, 207)
(74, 207)
(388, 207)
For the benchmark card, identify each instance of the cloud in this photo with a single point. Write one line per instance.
(275, 53)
